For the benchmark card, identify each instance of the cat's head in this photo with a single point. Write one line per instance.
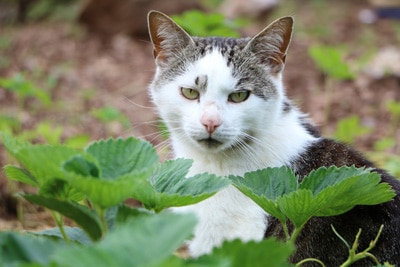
(217, 94)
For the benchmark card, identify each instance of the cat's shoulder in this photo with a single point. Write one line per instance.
(325, 152)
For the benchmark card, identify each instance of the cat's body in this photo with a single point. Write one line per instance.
(224, 104)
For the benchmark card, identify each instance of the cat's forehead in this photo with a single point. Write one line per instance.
(227, 46)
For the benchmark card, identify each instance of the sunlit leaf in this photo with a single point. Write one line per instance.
(117, 157)
(20, 175)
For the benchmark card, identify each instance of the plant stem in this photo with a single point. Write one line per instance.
(295, 233)
(353, 256)
(60, 224)
(286, 231)
(103, 219)
(310, 260)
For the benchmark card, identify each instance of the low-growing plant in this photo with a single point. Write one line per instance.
(108, 114)
(90, 186)
(198, 23)
(349, 129)
(24, 89)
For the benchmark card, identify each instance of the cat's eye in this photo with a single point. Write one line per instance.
(190, 93)
(238, 96)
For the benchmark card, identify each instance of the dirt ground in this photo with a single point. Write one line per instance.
(92, 73)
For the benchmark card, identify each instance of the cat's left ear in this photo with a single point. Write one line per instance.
(271, 44)
(168, 38)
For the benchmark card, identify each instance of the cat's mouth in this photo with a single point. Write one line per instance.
(210, 142)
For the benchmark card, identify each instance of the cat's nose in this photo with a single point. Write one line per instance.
(211, 124)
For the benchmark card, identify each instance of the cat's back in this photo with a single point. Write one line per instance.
(317, 239)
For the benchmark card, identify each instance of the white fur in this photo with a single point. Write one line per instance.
(278, 138)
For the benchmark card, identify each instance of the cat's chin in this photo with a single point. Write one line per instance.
(210, 143)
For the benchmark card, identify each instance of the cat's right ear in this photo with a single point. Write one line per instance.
(168, 38)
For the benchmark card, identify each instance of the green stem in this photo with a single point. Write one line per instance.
(353, 256)
(295, 233)
(60, 224)
(102, 215)
(310, 260)
(286, 231)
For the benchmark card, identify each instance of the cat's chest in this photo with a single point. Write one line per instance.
(227, 215)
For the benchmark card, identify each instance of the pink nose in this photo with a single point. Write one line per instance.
(211, 124)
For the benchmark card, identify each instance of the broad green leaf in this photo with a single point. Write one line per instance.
(357, 190)
(82, 215)
(74, 234)
(16, 249)
(299, 206)
(323, 177)
(329, 60)
(265, 186)
(107, 193)
(168, 186)
(270, 182)
(60, 189)
(82, 166)
(268, 252)
(145, 241)
(118, 157)
(20, 175)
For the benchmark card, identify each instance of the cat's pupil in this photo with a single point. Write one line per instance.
(238, 97)
(190, 93)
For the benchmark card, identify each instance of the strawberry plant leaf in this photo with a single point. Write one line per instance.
(268, 252)
(168, 186)
(266, 186)
(117, 157)
(74, 234)
(82, 215)
(107, 193)
(298, 206)
(20, 175)
(18, 249)
(128, 244)
(323, 177)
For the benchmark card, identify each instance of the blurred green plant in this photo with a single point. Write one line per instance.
(109, 114)
(329, 60)
(54, 9)
(349, 129)
(198, 23)
(24, 89)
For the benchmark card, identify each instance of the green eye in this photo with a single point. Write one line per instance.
(239, 96)
(190, 93)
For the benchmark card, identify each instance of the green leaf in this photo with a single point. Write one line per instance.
(107, 193)
(323, 177)
(266, 186)
(168, 186)
(82, 215)
(349, 129)
(16, 249)
(298, 206)
(118, 157)
(268, 252)
(329, 60)
(145, 241)
(20, 175)
(74, 234)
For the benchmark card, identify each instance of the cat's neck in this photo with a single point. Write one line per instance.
(274, 148)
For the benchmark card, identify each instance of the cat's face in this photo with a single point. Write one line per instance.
(218, 94)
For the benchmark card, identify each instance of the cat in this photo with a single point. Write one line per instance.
(224, 104)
